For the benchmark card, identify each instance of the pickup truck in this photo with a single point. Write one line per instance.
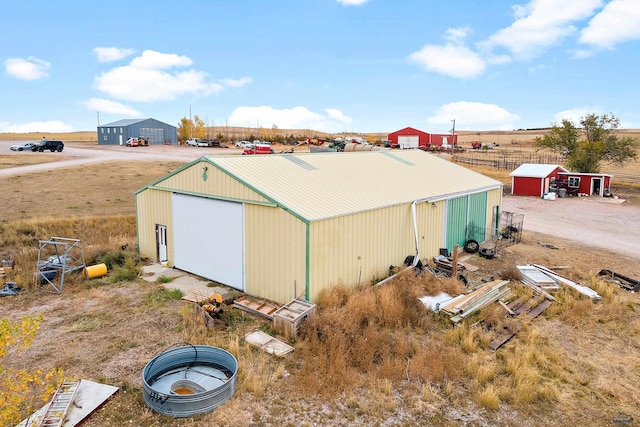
(194, 142)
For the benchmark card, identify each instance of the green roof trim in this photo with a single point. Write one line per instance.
(266, 196)
(170, 174)
(209, 196)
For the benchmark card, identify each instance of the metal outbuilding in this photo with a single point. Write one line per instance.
(414, 138)
(286, 226)
(531, 179)
(117, 133)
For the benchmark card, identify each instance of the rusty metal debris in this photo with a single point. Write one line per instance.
(624, 282)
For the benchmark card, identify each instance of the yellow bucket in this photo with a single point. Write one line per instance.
(93, 271)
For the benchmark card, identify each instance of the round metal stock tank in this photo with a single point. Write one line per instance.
(189, 380)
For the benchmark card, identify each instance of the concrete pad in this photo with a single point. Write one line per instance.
(185, 282)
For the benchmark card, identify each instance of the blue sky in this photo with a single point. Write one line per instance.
(330, 65)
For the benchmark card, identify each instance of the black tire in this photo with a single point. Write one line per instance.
(20, 149)
(60, 150)
(463, 279)
(471, 246)
(487, 253)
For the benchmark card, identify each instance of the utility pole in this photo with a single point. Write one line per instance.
(190, 124)
(453, 136)
(98, 112)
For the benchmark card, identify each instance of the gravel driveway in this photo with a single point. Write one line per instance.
(591, 221)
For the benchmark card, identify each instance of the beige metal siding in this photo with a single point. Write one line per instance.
(154, 207)
(275, 253)
(431, 228)
(218, 183)
(494, 198)
(355, 249)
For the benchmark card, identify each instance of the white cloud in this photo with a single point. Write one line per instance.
(27, 69)
(575, 114)
(289, 118)
(237, 82)
(583, 53)
(474, 115)
(160, 61)
(452, 60)
(110, 54)
(51, 126)
(539, 25)
(352, 2)
(110, 107)
(616, 23)
(456, 35)
(149, 78)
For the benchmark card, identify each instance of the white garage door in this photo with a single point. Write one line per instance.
(208, 237)
(408, 141)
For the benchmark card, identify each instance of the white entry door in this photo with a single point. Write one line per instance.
(209, 238)
(161, 242)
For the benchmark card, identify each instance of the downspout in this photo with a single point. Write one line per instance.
(416, 257)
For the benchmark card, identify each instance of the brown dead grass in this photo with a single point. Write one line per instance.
(89, 190)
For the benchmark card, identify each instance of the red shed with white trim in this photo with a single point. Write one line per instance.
(587, 183)
(414, 138)
(531, 179)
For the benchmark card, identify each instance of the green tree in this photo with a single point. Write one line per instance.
(594, 142)
(22, 392)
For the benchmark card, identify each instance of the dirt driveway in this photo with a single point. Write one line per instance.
(591, 221)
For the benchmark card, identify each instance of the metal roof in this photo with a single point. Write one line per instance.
(325, 185)
(533, 170)
(124, 122)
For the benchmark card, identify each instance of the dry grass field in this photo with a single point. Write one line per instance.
(373, 356)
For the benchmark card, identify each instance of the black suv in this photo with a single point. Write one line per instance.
(48, 145)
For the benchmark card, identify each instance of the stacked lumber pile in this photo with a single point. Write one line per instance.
(463, 305)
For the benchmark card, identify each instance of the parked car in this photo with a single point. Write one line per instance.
(257, 149)
(49, 145)
(193, 142)
(243, 144)
(28, 146)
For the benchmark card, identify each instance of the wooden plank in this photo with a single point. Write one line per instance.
(198, 296)
(537, 310)
(259, 308)
(501, 339)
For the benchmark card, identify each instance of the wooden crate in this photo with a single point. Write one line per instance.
(288, 318)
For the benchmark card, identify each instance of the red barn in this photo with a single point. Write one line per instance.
(414, 138)
(586, 183)
(534, 180)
